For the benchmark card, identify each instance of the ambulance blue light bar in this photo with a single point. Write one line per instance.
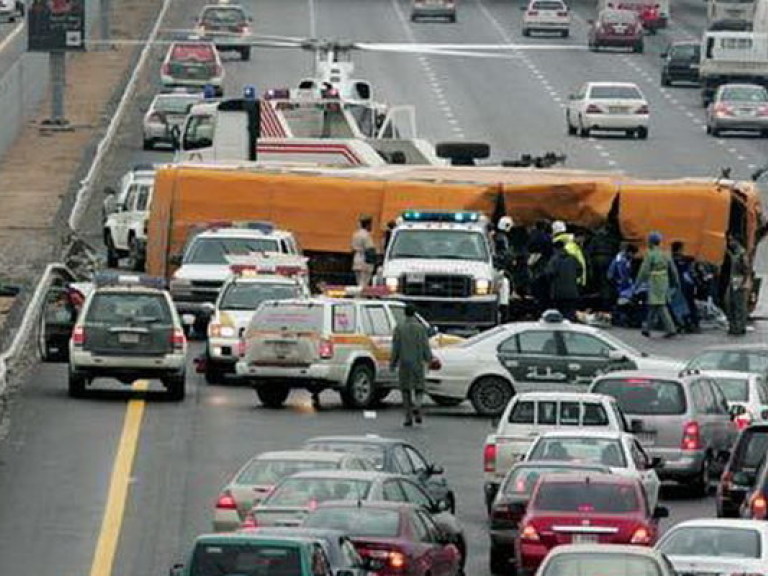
(117, 279)
(438, 216)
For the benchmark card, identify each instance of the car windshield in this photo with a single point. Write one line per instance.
(192, 53)
(753, 94)
(735, 389)
(603, 451)
(548, 6)
(226, 559)
(618, 17)
(736, 360)
(615, 92)
(712, 541)
(175, 104)
(274, 317)
(223, 17)
(216, 250)
(442, 244)
(522, 480)
(248, 295)
(646, 396)
(685, 51)
(357, 522)
(586, 497)
(752, 449)
(371, 452)
(272, 471)
(126, 308)
(591, 563)
(312, 491)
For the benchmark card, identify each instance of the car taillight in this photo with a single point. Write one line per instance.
(166, 69)
(529, 533)
(743, 420)
(642, 110)
(641, 536)
(178, 339)
(758, 506)
(723, 109)
(489, 458)
(691, 437)
(533, 12)
(325, 348)
(226, 502)
(435, 364)
(393, 559)
(78, 336)
(155, 117)
(249, 522)
(594, 109)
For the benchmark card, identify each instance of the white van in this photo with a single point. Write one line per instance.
(530, 414)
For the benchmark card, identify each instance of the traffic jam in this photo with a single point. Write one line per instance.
(431, 278)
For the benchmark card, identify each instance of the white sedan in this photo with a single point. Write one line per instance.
(717, 546)
(551, 355)
(746, 393)
(619, 451)
(608, 106)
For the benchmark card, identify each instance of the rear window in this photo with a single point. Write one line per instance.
(587, 497)
(276, 317)
(642, 396)
(702, 540)
(175, 104)
(125, 308)
(752, 449)
(226, 559)
(223, 16)
(616, 16)
(370, 452)
(521, 481)
(216, 250)
(615, 92)
(312, 491)
(548, 6)
(357, 522)
(735, 389)
(603, 451)
(744, 94)
(272, 471)
(192, 52)
(248, 295)
(550, 413)
(685, 51)
(587, 564)
(738, 360)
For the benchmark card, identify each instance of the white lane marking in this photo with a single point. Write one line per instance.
(312, 19)
(11, 37)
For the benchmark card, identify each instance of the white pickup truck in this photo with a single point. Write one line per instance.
(530, 414)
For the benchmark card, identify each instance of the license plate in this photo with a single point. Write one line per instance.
(414, 278)
(746, 112)
(282, 349)
(585, 539)
(617, 109)
(128, 338)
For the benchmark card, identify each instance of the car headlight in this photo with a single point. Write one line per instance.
(392, 283)
(482, 286)
(216, 330)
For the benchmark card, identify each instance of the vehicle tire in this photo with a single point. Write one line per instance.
(148, 144)
(272, 396)
(175, 386)
(699, 484)
(445, 401)
(214, 374)
(565, 33)
(473, 150)
(665, 81)
(764, 134)
(714, 130)
(113, 258)
(135, 257)
(499, 562)
(526, 32)
(360, 391)
(642, 132)
(592, 47)
(452, 19)
(490, 395)
(583, 132)
(414, 18)
(638, 49)
(462, 546)
(245, 54)
(76, 384)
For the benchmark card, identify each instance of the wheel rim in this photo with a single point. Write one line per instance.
(492, 396)
(361, 387)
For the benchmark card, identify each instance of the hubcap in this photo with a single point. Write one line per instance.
(491, 395)
(361, 387)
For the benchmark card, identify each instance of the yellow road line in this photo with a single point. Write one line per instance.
(112, 520)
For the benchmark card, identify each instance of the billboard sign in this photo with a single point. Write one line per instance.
(54, 25)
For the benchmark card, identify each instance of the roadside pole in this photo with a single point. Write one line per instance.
(58, 71)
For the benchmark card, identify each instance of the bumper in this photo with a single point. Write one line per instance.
(741, 123)
(532, 555)
(452, 314)
(223, 350)
(332, 375)
(86, 361)
(683, 73)
(615, 121)
(618, 41)
(226, 521)
(544, 26)
(433, 12)
(678, 464)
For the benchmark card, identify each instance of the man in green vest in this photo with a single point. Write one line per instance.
(660, 275)
(410, 356)
(736, 293)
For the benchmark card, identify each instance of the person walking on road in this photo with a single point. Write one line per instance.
(736, 293)
(660, 274)
(564, 271)
(411, 355)
(364, 252)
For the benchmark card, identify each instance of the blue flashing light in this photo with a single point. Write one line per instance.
(102, 279)
(209, 92)
(249, 92)
(438, 216)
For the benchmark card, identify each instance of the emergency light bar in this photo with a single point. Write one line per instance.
(116, 279)
(251, 271)
(277, 94)
(440, 216)
(356, 292)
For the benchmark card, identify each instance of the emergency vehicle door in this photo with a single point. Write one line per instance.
(535, 360)
(56, 322)
(378, 326)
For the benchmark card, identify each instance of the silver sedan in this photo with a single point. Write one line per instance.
(738, 107)
(167, 111)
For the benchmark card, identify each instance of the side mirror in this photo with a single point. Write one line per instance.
(439, 506)
(663, 55)
(736, 410)
(657, 462)
(208, 308)
(175, 259)
(176, 570)
(635, 426)
(616, 356)
(660, 512)
(435, 470)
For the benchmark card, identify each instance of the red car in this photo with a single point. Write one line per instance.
(616, 28)
(585, 508)
(648, 11)
(393, 538)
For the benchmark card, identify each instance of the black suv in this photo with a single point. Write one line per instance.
(681, 63)
(739, 474)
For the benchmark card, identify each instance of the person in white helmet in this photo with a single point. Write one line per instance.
(501, 237)
(560, 234)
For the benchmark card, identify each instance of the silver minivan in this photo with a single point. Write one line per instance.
(683, 418)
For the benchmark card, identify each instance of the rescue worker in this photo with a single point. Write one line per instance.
(501, 242)
(661, 276)
(364, 252)
(736, 292)
(410, 356)
(686, 273)
(539, 253)
(560, 234)
(564, 272)
(621, 275)
(600, 251)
